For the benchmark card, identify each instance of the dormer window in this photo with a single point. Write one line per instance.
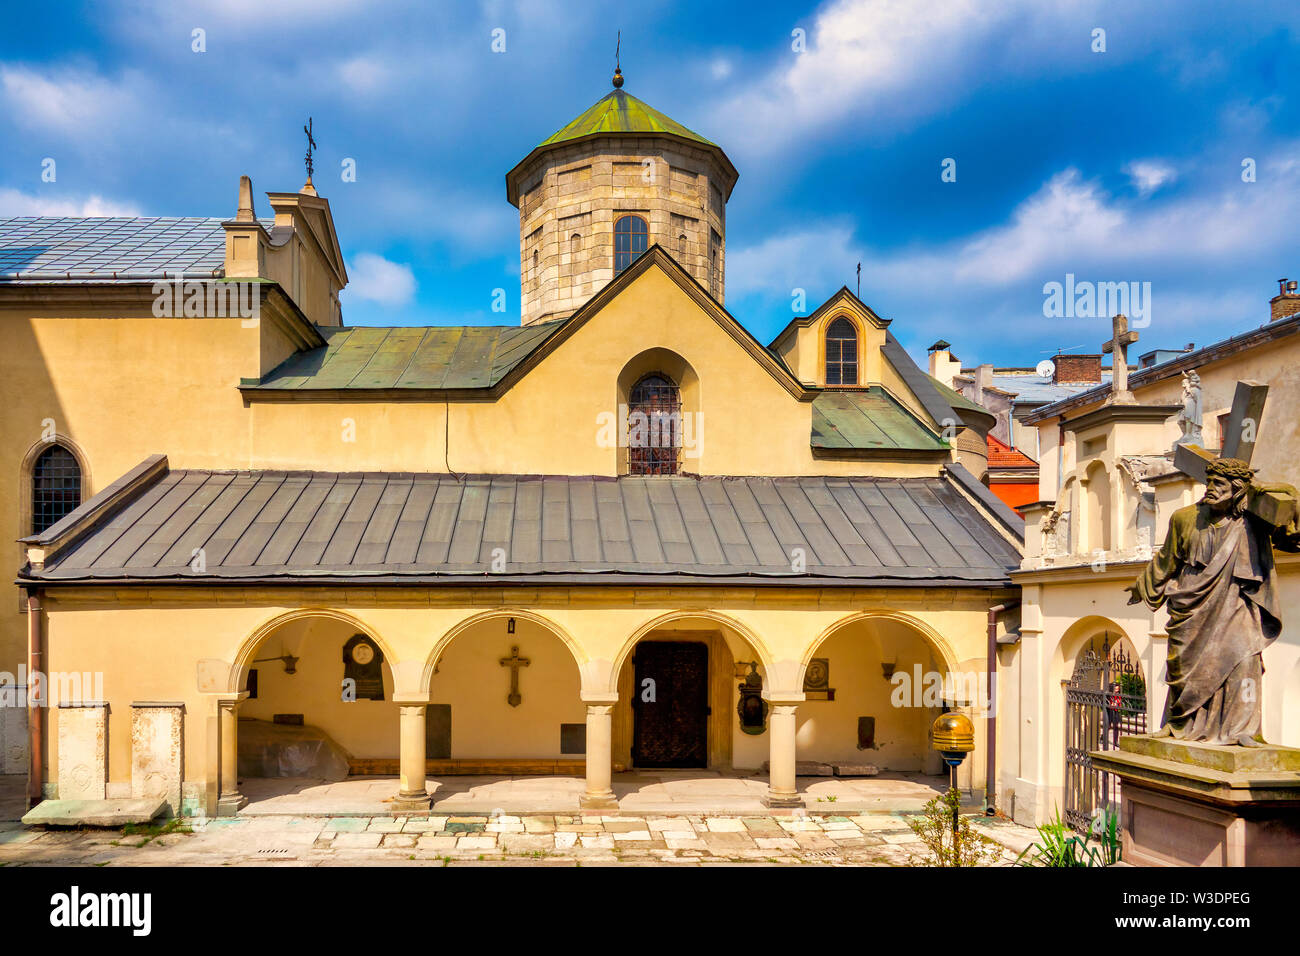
(630, 240)
(841, 353)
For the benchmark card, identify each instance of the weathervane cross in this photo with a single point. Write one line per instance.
(311, 145)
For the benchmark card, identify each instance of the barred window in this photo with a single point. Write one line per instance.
(654, 426)
(630, 239)
(56, 487)
(841, 353)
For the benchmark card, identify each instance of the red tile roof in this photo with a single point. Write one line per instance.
(1002, 455)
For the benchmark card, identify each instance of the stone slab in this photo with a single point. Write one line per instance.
(83, 752)
(856, 770)
(94, 813)
(157, 752)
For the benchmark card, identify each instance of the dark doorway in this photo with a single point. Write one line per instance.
(670, 723)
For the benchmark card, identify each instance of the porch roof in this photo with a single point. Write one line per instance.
(208, 527)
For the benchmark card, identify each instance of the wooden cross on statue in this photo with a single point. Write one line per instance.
(1239, 442)
(514, 662)
(1121, 339)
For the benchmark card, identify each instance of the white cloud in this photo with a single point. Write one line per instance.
(68, 102)
(15, 203)
(372, 278)
(1069, 224)
(871, 56)
(1148, 175)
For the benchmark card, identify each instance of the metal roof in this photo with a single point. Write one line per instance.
(620, 112)
(281, 527)
(410, 357)
(43, 248)
(869, 419)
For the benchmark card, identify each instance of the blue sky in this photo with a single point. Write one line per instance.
(1122, 165)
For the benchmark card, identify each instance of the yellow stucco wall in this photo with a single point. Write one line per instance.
(122, 388)
(175, 644)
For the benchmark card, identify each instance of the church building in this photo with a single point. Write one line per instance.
(621, 535)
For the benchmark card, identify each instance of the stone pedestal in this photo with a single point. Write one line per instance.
(1193, 804)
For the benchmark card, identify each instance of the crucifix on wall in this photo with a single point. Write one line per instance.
(514, 662)
(1239, 442)
(1121, 339)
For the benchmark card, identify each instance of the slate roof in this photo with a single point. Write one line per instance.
(869, 420)
(438, 357)
(283, 527)
(44, 248)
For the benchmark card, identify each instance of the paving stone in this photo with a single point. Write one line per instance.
(400, 839)
(463, 826)
(690, 843)
(597, 841)
(353, 840)
(726, 825)
(565, 839)
(899, 837)
(437, 843)
(348, 824)
(776, 843)
(539, 825)
(476, 843)
(386, 824)
(504, 828)
(422, 826)
(464, 819)
(631, 835)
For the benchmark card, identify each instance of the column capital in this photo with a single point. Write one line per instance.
(227, 699)
(778, 698)
(591, 699)
(412, 700)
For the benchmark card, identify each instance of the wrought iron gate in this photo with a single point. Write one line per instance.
(1105, 698)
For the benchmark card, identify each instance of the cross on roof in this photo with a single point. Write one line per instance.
(311, 145)
(1121, 339)
(1239, 442)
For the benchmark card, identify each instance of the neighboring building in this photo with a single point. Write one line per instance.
(1088, 665)
(489, 538)
(1013, 475)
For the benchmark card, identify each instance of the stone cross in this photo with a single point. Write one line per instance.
(1239, 442)
(1121, 339)
(514, 662)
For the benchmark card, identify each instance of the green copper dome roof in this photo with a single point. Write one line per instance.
(614, 114)
(621, 112)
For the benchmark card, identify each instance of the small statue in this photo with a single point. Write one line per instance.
(1215, 573)
(1189, 419)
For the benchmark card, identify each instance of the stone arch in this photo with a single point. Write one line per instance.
(580, 657)
(26, 473)
(936, 640)
(664, 620)
(718, 722)
(244, 655)
(1082, 633)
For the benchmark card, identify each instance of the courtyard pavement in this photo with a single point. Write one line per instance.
(879, 837)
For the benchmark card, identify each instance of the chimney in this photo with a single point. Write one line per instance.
(943, 366)
(1077, 370)
(1286, 302)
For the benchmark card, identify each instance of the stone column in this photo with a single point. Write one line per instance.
(412, 795)
(230, 801)
(599, 794)
(782, 790)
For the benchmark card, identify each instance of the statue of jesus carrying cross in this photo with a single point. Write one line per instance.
(1215, 574)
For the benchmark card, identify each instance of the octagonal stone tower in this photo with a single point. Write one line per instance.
(620, 166)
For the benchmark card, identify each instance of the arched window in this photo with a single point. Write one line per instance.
(654, 426)
(630, 239)
(56, 487)
(841, 353)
